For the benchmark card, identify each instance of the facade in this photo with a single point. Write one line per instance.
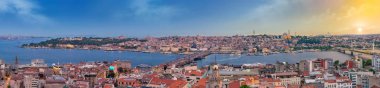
(214, 81)
(376, 62)
(374, 81)
(303, 65)
(30, 82)
(290, 81)
(126, 82)
(343, 82)
(330, 84)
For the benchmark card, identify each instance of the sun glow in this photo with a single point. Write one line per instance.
(360, 30)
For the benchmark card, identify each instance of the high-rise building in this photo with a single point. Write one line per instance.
(375, 58)
(304, 65)
(376, 62)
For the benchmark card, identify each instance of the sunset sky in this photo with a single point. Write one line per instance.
(187, 17)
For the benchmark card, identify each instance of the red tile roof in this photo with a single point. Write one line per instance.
(178, 84)
(201, 83)
(234, 84)
(193, 73)
(330, 81)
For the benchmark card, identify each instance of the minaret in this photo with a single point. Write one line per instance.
(375, 58)
(373, 47)
(16, 61)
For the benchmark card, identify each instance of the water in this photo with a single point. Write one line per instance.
(282, 57)
(9, 49)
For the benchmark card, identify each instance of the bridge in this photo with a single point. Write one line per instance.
(187, 59)
(361, 54)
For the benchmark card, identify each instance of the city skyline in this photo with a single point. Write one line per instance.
(141, 18)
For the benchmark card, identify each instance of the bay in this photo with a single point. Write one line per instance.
(271, 59)
(9, 49)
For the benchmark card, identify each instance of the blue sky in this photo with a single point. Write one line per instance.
(140, 18)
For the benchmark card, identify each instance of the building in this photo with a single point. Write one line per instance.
(55, 82)
(214, 81)
(128, 82)
(330, 84)
(304, 66)
(123, 64)
(350, 64)
(31, 82)
(376, 62)
(360, 79)
(374, 81)
(343, 82)
(287, 78)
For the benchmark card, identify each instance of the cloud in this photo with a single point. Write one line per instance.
(313, 16)
(151, 10)
(23, 9)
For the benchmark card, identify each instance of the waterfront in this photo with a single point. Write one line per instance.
(9, 49)
(271, 59)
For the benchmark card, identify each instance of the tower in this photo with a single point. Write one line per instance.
(373, 47)
(214, 81)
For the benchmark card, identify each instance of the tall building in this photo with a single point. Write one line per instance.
(30, 82)
(214, 81)
(304, 65)
(375, 59)
(376, 62)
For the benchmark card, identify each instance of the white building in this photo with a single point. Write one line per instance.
(343, 82)
(31, 82)
(360, 78)
(330, 84)
(375, 58)
(376, 62)
(290, 81)
(38, 63)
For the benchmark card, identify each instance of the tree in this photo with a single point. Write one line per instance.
(120, 70)
(336, 63)
(367, 62)
(373, 71)
(244, 86)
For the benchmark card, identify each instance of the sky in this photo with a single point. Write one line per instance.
(139, 18)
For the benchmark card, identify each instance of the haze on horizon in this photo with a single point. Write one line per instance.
(187, 17)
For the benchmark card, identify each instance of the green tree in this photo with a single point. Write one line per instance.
(373, 71)
(336, 63)
(367, 62)
(244, 86)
